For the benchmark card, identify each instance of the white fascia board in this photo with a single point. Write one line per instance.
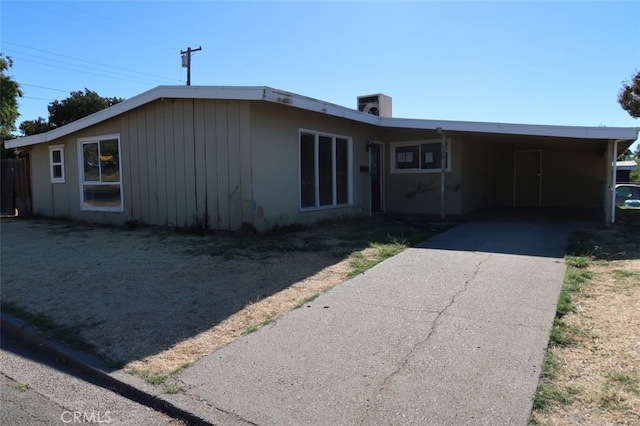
(625, 133)
(160, 92)
(315, 105)
(256, 93)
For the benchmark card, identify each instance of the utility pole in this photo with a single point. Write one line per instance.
(186, 61)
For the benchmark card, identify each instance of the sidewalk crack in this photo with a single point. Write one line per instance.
(426, 339)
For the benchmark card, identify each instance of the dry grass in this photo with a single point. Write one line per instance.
(152, 301)
(248, 319)
(598, 376)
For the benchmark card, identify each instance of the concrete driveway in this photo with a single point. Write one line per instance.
(450, 332)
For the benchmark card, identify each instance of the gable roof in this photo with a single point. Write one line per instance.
(268, 94)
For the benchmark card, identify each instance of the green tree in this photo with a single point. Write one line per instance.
(33, 127)
(634, 176)
(78, 105)
(629, 96)
(9, 94)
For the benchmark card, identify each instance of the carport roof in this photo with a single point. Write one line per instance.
(268, 94)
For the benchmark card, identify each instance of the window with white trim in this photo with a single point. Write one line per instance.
(56, 163)
(325, 170)
(100, 173)
(419, 156)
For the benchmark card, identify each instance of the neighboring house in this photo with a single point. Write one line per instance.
(624, 169)
(223, 156)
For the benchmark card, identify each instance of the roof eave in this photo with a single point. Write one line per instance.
(286, 98)
(579, 132)
(160, 92)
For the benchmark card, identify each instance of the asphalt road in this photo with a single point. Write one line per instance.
(36, 390)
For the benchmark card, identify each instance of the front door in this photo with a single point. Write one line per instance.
(375, 171)
(527, 183)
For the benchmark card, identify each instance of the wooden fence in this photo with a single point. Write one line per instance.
(15, 187)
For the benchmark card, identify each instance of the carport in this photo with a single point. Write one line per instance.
(508, 166)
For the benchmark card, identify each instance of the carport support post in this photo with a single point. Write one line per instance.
(443, 167)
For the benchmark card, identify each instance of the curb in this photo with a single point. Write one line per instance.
(92, 366)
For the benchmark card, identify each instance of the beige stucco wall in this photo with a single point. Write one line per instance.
(225, 163)
(276, 157)
(419, 193)
(185, 162)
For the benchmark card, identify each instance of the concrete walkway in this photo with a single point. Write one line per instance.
(450, 333)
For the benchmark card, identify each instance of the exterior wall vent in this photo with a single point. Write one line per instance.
(377, 104)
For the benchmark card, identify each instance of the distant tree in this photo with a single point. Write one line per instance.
(629, 96)
(33, 127)
(9, 94)
(78, 105)
(634, 175)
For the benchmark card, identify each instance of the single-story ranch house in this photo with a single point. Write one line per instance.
(221, 157)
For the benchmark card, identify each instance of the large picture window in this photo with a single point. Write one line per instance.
(100, 173)
(418, 157)
(325, 170)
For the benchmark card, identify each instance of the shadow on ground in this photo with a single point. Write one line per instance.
(130, 294)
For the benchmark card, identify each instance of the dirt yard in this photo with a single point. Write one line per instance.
(152, 300)
(142, 298)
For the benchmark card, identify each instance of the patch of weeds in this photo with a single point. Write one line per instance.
(360, 263)
(628, 381)
(581, 244)
(624, 274)
(385, 251)
(197, 226)
(49, 328)
(573, 280)
(564, 335)
(254, 328)
(22, 387)
(172, 388)
(547, 393)
(307, 300)
(279, 229)
(160, 379)
(558, 335)
(133, 224)
(154, 379)
(250, 329)
(611, 399)
(338, 238)
(579, 262)
(248, 229)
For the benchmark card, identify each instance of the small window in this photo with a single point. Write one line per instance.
(418, 157)
(56, 163)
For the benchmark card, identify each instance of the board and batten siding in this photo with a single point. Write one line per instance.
(185, 163)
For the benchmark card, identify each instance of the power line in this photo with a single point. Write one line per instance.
(39, 99)
(81, 60)
(46, 88)
(87, 72)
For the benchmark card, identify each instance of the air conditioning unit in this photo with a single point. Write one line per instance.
(377, 104)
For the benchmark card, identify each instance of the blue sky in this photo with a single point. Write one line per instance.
(501, 61)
